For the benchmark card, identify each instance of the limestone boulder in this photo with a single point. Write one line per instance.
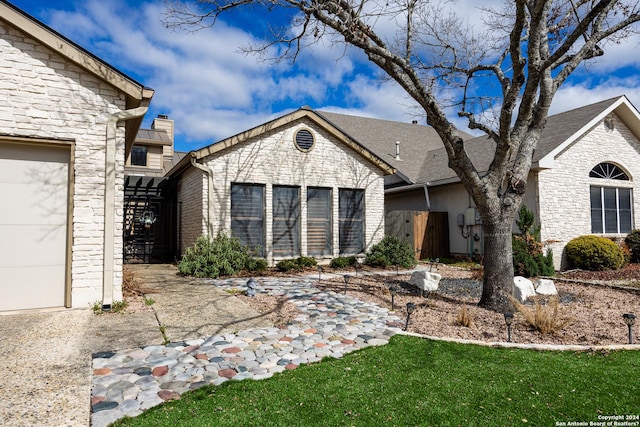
(523, 288)
(425, 280)
(546, 287)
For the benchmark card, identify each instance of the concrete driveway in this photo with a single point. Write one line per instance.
(45, 357)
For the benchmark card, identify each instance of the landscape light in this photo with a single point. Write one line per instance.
(629, 320)
(508, 319)
(410, 309)
(393, 290)
(346, 282)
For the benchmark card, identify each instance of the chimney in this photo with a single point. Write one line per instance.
(397, 150)
(162, 122)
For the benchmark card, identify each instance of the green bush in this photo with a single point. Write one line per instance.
(222, 256)
(528, 259)
(594, 253)
(257, 265)
(296, 264)
(633, 243)
(343, 262)
(391, 251)
(287, 265)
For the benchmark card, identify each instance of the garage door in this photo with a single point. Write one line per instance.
(34, 185)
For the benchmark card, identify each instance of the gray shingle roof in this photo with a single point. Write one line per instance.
(380, 136)
(424, 159)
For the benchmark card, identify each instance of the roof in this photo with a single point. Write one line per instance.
(136, 93)
(154, 137)
(380, 136)
(561, 130)
(300, 114)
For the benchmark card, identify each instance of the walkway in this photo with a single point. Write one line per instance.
(129, 381)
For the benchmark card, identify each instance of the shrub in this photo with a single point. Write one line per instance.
(343, 262)
(391, 251)
(542, 317)
(528, 259)
(296, 264)
(464, 317)
(633, 243)
(306, 261)
(222, 256)
(594, 253)
(287, 265)
(257, 265)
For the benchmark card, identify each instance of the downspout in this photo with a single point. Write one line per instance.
(426, 197)
(209, 174)
(110, 197)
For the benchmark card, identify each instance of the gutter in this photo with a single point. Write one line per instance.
(110, 197)
(412, 187)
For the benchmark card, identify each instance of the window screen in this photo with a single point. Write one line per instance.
(319, 224)
(286, 221)
(247, 215)
(351, 215)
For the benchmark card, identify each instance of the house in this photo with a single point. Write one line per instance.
(583, 179)
(67, 122)
(290, 187)
(150, 211)
(282, 187)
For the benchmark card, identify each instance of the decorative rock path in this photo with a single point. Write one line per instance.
(127, 382)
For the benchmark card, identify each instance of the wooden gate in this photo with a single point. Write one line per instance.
(427, 232)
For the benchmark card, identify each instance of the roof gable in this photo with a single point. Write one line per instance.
(74, 53)
(287, 119)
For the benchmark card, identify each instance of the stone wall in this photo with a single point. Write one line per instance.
(44, 96)
(564, 197)
(273, 159)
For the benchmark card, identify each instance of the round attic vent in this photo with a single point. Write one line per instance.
(304, 140)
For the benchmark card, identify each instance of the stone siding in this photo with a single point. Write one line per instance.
(273, 159)
(564, 190)
(44, 96)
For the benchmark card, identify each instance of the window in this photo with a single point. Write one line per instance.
(351, 216)
(611, 210)
(139, 155)
(286, 221)
(247, 215)
(319, 223)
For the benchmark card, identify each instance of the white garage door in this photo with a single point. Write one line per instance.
(34, 186)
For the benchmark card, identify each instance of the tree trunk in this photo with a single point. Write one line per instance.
(498, 266)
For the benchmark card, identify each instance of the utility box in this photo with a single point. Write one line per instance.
(427, 232)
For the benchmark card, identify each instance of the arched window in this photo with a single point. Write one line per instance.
(608, 171)
(611, 206)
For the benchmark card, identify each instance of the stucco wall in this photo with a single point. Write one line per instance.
(564, 190)
(273, 159)
(43, 96)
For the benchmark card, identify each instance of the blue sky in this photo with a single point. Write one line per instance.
(213, 91)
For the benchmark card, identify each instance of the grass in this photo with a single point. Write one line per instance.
(416, 382)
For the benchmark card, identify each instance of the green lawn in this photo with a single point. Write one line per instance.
(416, 382)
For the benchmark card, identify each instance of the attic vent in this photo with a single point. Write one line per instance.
(304, 140)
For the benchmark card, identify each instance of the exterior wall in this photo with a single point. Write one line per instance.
(564, 189)
(192, 209)
(455, 200)
(273, 159)
(45, 97)
(414, 200)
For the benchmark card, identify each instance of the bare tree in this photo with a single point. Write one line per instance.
(526, 52)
